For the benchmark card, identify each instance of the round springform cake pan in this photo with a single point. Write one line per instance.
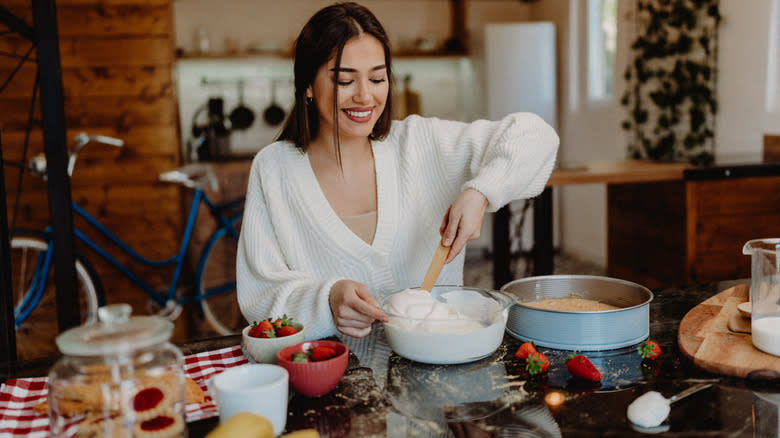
(581, 331)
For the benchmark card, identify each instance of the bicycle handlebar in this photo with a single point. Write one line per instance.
(38, 163)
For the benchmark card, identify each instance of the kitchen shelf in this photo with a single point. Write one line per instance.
(225, 56)
(281, 55)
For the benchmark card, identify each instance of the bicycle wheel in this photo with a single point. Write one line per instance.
(35, 309)
(217, 285)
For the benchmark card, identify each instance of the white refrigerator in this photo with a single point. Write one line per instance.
(520, 75)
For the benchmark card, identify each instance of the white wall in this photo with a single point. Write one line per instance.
(742, 83)
(277, 23)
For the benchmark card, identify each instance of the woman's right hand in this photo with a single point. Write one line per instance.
(354, 309)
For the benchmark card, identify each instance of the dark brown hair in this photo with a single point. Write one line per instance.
(322, 38)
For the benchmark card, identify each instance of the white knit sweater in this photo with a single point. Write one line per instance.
(294, 247)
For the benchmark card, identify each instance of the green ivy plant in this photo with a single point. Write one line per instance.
(671, 77)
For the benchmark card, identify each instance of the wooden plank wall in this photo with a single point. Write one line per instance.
(117, 61)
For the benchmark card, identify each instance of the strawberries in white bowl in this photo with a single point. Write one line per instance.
(262, 339)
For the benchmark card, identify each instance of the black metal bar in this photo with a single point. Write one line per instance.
(55, 147)
(543, 233)
(16, 24)
(502, 270)
(16, 70)
(7, 328)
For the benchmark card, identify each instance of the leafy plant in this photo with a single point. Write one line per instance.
(670, 97)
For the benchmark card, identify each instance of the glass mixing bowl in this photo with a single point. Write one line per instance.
(474, 334)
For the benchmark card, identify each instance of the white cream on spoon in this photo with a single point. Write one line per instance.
(651, 408)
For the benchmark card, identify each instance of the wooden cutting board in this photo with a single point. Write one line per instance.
(706, 339)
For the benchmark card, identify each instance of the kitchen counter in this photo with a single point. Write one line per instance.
(383, 394)
(667, 223)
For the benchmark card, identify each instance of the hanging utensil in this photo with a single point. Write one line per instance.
(242, 116)
(274, 114)
(411, 98)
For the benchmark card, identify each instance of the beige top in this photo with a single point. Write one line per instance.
(364, 225)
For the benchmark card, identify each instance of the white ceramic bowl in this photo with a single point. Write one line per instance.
(263, 350)
(433, 342)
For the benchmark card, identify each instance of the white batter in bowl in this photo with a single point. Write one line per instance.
(452, 324)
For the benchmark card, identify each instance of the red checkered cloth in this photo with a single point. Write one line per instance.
(18, 396)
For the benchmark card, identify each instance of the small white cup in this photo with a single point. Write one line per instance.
(261, 389)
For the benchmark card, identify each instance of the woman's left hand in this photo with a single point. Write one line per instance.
(462, 221)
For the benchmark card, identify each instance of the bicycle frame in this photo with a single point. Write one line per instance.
(224, 225)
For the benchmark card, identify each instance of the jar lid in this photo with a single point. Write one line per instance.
(115, 332)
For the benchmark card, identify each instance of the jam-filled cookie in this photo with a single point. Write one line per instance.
(149, 401)
(166, 424)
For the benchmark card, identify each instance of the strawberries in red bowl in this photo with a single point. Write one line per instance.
(315, 367)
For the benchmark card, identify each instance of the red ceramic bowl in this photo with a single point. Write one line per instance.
(314, 379)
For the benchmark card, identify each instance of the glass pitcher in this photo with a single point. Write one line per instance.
(765, 293)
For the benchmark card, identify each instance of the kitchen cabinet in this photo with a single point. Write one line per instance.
(691, 230)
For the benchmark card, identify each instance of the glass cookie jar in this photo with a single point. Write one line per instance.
(119, 377)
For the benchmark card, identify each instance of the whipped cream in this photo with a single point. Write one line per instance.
(649, 409)
(428, 315)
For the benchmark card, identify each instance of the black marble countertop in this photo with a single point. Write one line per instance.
(382, 394)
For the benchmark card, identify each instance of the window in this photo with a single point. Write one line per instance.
(773, 53)
(602, 44)
(574, 51)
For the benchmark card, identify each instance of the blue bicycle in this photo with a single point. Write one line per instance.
(214, 278)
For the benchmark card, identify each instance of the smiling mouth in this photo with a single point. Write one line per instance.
(358, 114)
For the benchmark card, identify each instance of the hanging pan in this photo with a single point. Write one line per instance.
(274, 114)
(242, 116)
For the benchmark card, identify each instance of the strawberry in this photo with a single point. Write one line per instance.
(649, 350)
(299, 357)
(285, 330)
(536, 363)
(580, 366)
(262, 329)
(322, 353)
(282, 322)
(526, 349)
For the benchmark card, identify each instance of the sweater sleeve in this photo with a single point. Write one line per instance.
(266, 286)
(505, 160)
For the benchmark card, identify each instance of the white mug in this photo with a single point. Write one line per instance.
(261, 389)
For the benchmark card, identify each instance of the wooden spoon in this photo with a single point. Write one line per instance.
(439, 257)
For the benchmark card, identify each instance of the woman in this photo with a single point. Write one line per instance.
(346, 206)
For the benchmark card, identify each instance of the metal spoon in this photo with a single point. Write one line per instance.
(638, 414)
(685, 393)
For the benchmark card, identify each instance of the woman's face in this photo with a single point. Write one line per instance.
(362, 89)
